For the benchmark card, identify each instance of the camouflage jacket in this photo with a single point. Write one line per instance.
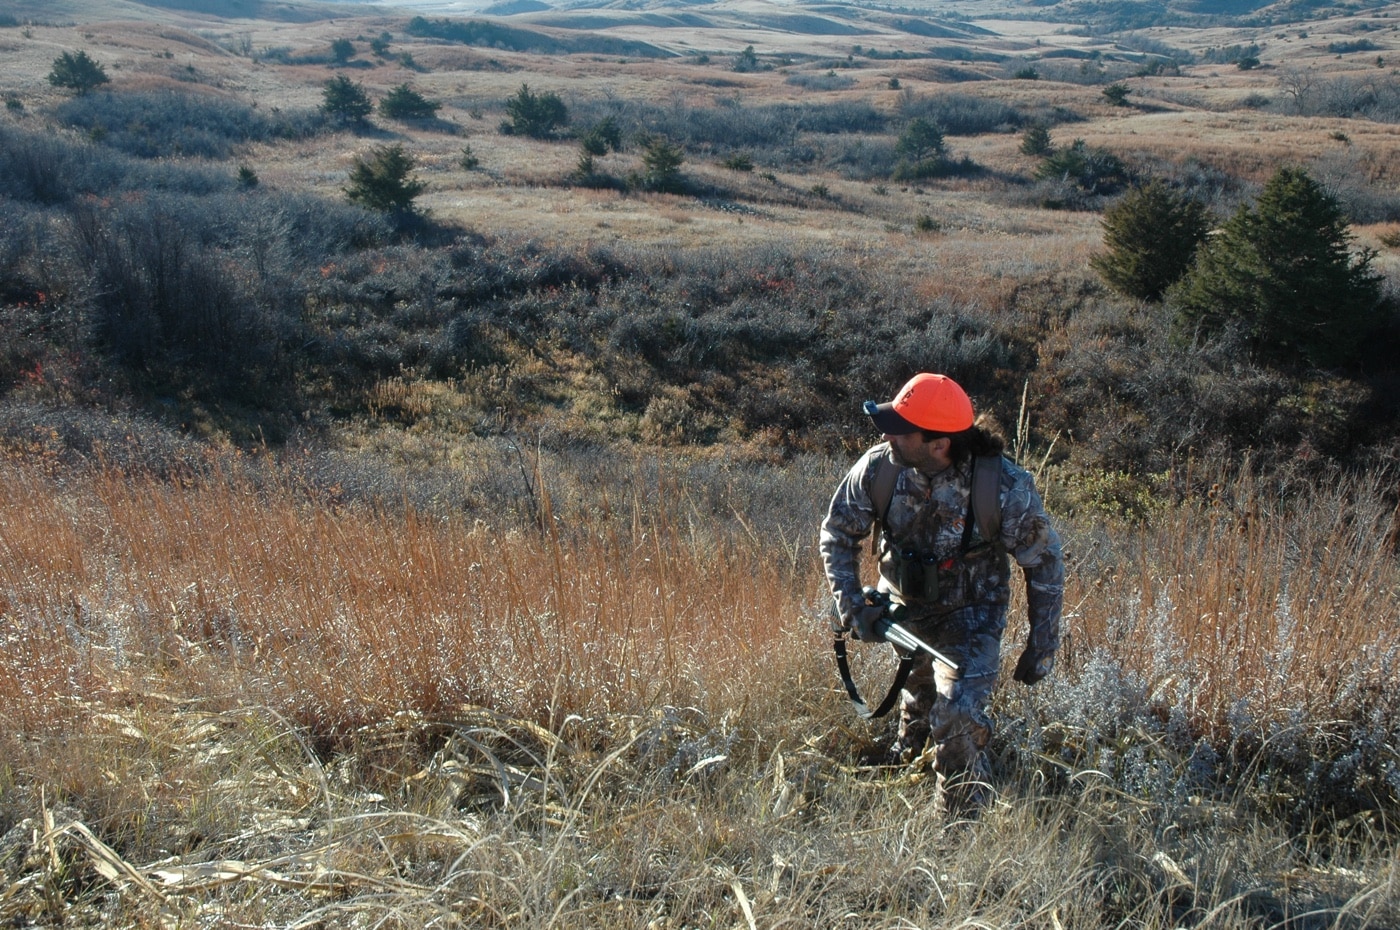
(927, 520)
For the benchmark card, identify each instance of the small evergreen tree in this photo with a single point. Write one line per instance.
(746, 61)
(78, 73)
(403, 102)
(1282, 274)
(381, 181)
(921, 140)
(604, 135)
(1036, 141)
(345, 100)
(1117, 94)
(534, 115)
(662, 161)
(342, 50)
(1151, 235)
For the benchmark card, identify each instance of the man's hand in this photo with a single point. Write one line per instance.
(1033, 666)
(864, 623)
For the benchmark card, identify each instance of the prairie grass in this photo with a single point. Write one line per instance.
(265, 692)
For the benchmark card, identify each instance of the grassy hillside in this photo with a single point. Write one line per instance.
(456, 566)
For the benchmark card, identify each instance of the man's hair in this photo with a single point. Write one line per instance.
(984, 437)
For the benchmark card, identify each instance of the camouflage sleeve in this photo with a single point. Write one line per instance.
(1034, 544)
(848, 521)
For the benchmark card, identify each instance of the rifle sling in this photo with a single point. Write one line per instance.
(906, 665)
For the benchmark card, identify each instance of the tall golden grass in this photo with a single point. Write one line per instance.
(244, 696)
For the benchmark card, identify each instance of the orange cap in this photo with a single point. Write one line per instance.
(927, 401)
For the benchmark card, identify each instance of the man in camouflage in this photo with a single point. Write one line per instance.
(930, 434)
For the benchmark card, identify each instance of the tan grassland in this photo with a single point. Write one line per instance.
(240, 690)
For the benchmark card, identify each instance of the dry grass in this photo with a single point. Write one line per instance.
(243, 693)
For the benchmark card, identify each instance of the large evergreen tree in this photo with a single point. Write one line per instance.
(78, 72)
(1151, 236)
(1282, 273)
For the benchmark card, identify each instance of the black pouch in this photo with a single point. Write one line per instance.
(909, 573)
(916, 575)
(931, 586)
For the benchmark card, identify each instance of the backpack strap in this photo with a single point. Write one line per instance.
(985, 500)
(881, 493)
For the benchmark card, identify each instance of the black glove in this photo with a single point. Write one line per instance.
(864, 623)
(1033, 666)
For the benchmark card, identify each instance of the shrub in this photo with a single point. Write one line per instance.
(829, 80)
(1282, 274)
(739, 161)
(1095, 171)
(345, 100)
(1151, 235)
(468, 159)
(77, 72)
(381, 181)
(163, 305)
(403, 102)
(534, 115)
(746, 60)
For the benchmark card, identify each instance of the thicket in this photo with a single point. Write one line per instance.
(163, 124)
(1374, 97)
(852, 137)
(495, 35)
(183, 292)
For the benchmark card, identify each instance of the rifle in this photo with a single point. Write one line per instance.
(891, 629)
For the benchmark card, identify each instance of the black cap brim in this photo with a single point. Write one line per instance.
(887, 421)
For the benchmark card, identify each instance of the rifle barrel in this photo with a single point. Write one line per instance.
(900, 636)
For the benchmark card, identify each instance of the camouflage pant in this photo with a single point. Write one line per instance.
(947, 708)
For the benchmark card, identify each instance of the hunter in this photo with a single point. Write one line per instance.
(953, 583)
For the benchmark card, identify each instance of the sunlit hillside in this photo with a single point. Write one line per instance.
(442, 552)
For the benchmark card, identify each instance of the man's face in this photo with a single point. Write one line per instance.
(911, 450)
